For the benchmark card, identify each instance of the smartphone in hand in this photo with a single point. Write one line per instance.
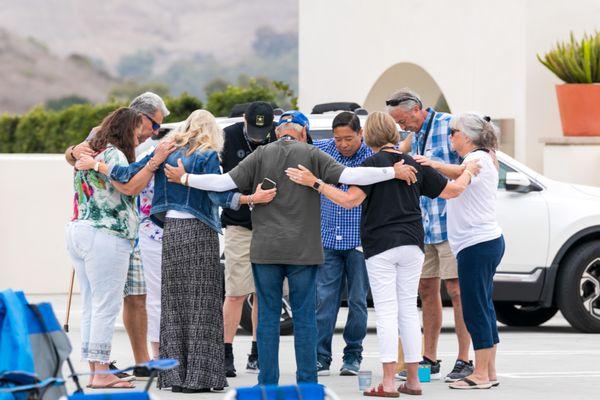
(268, 184)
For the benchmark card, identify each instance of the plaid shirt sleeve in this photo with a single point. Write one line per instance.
(340, 228)
(437, 148)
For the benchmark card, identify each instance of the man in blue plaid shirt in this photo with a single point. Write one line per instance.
(344, 264)
(431, 139)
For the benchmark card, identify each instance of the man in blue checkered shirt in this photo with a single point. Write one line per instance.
(344, 264)
(431, 139)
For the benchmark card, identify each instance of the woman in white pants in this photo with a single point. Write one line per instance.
(392, 239)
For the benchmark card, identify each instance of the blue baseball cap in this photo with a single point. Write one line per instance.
(295, 117)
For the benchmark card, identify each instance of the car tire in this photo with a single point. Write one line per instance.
(578, 288)
(514, 315)
(286, 326)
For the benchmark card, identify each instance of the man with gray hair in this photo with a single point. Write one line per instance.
(140, 281)
(430, 139)
(286, 234)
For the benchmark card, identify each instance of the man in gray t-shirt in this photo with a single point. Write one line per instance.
(287, 230)
(286, 234)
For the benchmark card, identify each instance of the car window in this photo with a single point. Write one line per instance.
(321, 134)
(502, 175)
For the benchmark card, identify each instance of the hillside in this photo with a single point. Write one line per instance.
(32, 74)
(111, 29)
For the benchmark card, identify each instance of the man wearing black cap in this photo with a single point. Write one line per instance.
(241, 139)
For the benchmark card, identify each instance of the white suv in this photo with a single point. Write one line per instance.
(552, 233)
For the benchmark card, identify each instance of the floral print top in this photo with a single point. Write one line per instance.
(148, 227)
(99, 203)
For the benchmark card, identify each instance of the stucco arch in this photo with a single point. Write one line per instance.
(405, 74)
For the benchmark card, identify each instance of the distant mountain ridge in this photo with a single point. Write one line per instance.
(31, 74)
(110, 29)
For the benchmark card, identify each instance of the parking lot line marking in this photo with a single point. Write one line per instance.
(519, 353)
(557, 374)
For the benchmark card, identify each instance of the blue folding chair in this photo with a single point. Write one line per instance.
(302, 391)
(33, 348)
(24, 385)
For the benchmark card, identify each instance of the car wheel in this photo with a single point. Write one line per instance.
(578, 288)
(515, 315)
(286, 326)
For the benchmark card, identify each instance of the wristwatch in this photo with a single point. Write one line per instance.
(317, 184)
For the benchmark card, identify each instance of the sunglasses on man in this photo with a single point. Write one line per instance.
(155, 125)
(395, 102)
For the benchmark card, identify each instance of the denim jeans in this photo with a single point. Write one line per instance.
(101, 261)
(341, 267)
(268, 279)
(476, 268)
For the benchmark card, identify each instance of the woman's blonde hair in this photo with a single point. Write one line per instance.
(380, 129)
(200, 131)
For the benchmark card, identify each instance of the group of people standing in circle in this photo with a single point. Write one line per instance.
(355, 208)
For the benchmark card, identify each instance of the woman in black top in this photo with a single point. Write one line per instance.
(392, 238)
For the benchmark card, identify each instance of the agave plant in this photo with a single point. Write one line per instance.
(575, 61)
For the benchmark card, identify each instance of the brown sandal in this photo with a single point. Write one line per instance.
(404, 389)
(379, 392)
(114, 385)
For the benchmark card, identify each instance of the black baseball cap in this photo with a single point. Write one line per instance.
(259, 120)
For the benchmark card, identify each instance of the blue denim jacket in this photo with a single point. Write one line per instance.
(173, 196)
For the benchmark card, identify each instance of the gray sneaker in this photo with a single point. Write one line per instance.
(322, 369)
(461, 369)
(351, 366)
(434, 368)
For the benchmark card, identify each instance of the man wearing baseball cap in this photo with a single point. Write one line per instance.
(286, 234)
(241, 139)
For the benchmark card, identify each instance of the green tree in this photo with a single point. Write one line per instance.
(216, 85)
(181, 107)
(221, 103)
(64, 102)
(127, 91)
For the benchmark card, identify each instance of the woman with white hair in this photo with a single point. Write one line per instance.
(476, 239)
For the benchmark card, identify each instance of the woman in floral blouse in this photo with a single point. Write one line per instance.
(101, 235)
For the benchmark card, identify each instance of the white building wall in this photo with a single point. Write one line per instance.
(480, 53)
(36, 202)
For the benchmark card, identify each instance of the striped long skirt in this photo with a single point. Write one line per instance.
(191, 325)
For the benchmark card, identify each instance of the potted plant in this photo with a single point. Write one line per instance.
(577, 63)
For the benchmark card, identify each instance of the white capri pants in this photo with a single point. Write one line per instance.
(151, 252)
(394, 278)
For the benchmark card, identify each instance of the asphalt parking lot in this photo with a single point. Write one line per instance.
(549, 362)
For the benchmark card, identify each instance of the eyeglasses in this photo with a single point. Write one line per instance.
(155, 125)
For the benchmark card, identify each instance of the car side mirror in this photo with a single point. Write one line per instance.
(518, 182)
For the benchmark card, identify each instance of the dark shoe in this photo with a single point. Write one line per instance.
(141, 373)
(322, 369)
(229, 367)
(124, 376)
(201, 390)
(252, 364)
(176, 389)
(461, 370)
(351, 366)
(433, 365)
